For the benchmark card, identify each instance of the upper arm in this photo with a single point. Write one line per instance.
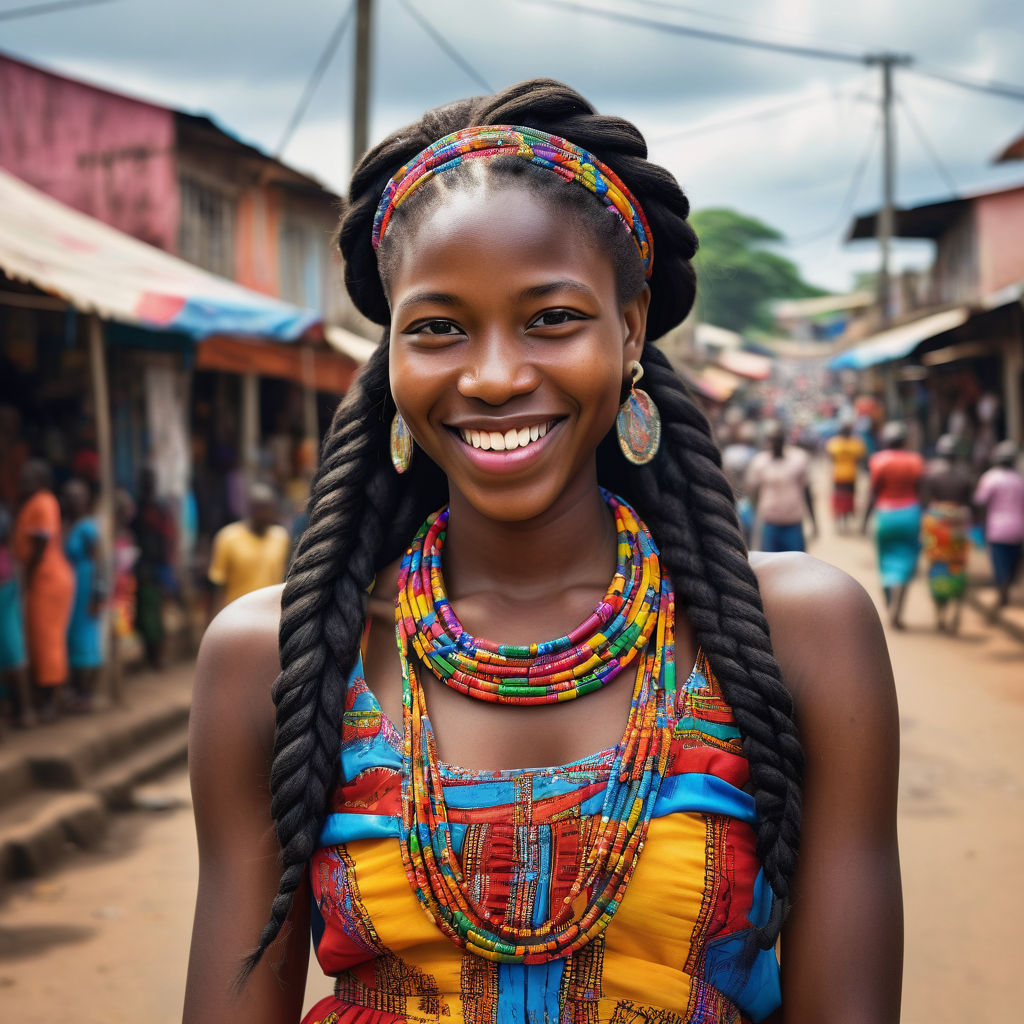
(230, 747)
(218, 571)
(842, 945)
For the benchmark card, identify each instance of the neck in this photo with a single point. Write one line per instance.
(571, 544)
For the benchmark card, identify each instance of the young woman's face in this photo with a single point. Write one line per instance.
(509, 348)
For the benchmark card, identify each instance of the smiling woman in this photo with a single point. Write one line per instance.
(466, 836)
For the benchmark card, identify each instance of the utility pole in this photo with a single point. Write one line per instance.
(887, 213)
(361, 90)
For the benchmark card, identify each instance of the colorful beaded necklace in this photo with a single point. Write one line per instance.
(639, 607)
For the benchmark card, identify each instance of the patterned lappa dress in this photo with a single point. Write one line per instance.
(680, 948)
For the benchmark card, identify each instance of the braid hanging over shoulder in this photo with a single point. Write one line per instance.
(362, 514)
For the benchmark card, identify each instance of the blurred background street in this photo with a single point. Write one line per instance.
(108, 933)
(175, 335)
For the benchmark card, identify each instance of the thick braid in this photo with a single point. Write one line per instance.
(323, 609)
(688, 505)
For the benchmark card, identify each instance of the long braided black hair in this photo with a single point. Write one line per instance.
(362, 513)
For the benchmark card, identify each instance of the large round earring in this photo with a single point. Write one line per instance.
(638, 423)
(401, 443)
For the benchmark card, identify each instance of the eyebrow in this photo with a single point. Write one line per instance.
(539, 291)
(436, 298)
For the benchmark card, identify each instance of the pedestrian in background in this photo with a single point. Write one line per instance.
(14, 684)
(81, 548)
(780, 492)
(736, 456)
(251, 553)
(847, 452)
(895, 500)
(156, 541)
(946, 497)
(49, 585)
(1000, 493)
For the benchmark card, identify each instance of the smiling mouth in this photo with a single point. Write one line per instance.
(495, 441)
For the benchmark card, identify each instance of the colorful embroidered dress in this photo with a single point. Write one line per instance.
(680, 948)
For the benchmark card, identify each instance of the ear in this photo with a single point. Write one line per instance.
(634, 323)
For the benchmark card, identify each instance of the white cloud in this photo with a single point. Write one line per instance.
(246, 65)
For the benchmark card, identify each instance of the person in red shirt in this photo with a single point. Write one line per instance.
(895, 483)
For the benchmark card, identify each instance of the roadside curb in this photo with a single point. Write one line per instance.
(60, 783)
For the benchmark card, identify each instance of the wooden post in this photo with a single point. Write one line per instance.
(250, 428)
(362, 74)
(105, 503)
(310, 420)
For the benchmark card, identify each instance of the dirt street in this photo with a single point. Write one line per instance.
(105, 940)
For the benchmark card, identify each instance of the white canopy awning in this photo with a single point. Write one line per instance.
(897, 342)
(98, 269)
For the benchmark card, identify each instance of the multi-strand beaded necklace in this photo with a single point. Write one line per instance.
(632, 625)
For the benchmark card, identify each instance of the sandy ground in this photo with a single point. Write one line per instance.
(105, 940)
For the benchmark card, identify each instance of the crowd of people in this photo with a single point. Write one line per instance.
(64, 605)
(915, 507)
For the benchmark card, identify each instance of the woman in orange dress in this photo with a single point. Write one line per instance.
(49, 582)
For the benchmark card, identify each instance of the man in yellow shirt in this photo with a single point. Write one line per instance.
(847, 452)
(249, 554)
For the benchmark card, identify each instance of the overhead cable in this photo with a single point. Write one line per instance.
(852, 190)
(790, 106)
(445, 45)
(48, 8)
(333, 42)
(926, 144)
(1012, 92)
(701, 33)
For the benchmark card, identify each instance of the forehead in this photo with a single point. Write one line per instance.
(506, 227)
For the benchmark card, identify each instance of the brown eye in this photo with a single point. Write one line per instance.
(555, 318)
(436, 328)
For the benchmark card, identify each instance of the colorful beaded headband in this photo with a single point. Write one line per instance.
(568, 161)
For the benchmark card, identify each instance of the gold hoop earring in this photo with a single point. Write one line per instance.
(638, 424)
(401, 444)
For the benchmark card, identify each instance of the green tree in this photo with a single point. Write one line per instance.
(737, 275)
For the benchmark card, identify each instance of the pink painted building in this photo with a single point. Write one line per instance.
(961, 328)
(977, 244)
(174, 180)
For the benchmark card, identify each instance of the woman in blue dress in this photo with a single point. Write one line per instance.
(81, 547)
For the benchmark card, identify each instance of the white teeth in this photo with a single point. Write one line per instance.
(491, 440)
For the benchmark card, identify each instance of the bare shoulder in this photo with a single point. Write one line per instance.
(238, 663)
(825, 629)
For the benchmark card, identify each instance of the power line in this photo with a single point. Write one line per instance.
(1008, 91)
(926, 144)
(50, 8)
(700, 12)
(1013, 92)
(333, 42)
(450, 50)
(711, 36)
(754, 115)
(851, 192)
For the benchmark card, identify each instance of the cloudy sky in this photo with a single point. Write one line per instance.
(790, 139)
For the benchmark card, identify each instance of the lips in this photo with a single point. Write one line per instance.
(509, 440)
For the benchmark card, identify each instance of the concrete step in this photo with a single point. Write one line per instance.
(60, 783)
(40, 829)
(102, 740)
(116, 784)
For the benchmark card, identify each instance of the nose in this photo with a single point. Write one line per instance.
(498, 370)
